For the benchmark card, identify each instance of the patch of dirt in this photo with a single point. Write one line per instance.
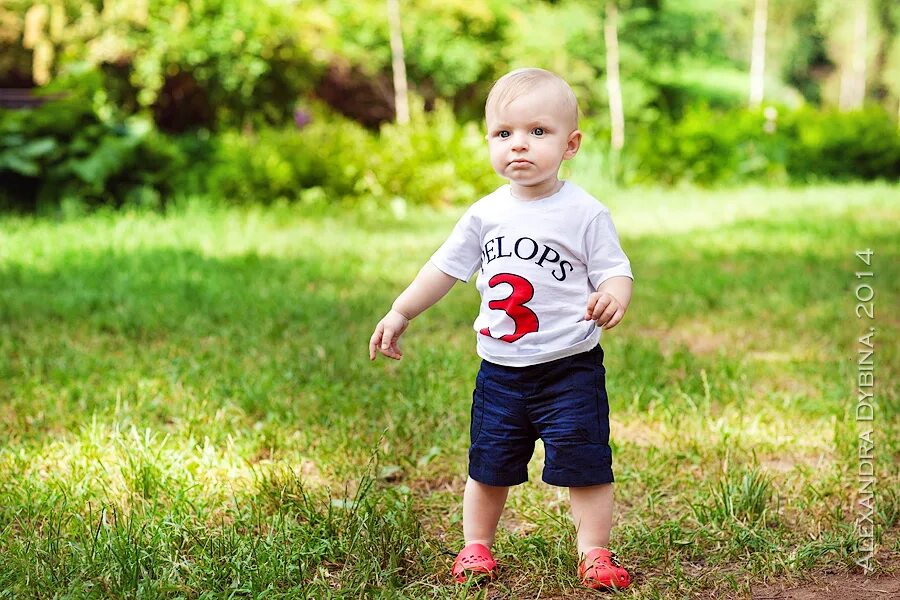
(757, 343)
(837, 587)
(575, 594)
(439, 483)
(786, 464)
(699, 339)
(637, 432)
(781, 384)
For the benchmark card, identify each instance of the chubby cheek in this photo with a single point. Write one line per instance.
(545, 151)
(498, 161)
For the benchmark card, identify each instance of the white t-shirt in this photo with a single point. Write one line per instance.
(538, 261)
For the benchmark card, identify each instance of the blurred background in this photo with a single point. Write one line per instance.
(137, 102)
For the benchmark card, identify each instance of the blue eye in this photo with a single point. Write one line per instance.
(503, 134)
(538, 131)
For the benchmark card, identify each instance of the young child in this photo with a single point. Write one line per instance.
(551, 274)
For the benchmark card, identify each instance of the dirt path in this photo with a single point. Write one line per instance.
(838, 587)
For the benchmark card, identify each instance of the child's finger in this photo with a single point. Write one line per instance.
(606, 314)
(615, 319)
(592, 302)
(393, 351)
(387, 339)
(601, 306)
(375, 341)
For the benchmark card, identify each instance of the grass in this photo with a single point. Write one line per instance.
(187, 409)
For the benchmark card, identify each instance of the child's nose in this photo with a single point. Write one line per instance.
(520, 142)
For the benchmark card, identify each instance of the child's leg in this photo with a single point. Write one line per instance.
(592, 508)
(482, 506)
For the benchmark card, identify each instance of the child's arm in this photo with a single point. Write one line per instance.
(429, 286)
(608, 304)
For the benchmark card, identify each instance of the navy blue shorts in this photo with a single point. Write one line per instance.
(562, 402)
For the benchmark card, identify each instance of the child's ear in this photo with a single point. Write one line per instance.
(572, 144)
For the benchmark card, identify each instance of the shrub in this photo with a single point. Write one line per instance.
(862, 144)
(709, 147)
(433, 160)
(196, 64)
(65, 151)
(328, 157)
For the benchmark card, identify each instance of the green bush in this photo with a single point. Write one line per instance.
(829, 144)
(64, 151)
(709, 147)
(705, 147)
(77, 150)
(196, 64)
(433, 160)
(325, 157)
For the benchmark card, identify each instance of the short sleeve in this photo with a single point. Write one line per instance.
(604, 254)
(460, 255)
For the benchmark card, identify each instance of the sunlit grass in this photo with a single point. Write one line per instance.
(186, 402)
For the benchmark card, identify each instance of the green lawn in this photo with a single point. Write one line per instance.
(187, 408)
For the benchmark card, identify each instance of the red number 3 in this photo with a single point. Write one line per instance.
(514, 306)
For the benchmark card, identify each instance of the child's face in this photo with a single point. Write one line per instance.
(529, 138)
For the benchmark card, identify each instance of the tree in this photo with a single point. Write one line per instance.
(613, 83)
(398, 62)
(854, 41)
(886, 71)
(758, 52)
(853, 76)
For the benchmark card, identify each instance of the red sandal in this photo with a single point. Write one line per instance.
(601, 569)
(476, 559)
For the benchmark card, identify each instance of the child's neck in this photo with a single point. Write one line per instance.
(535, 192)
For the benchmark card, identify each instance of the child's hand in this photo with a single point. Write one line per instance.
(387, 334)
(603, 308)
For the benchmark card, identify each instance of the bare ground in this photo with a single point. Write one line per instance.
(838, 587)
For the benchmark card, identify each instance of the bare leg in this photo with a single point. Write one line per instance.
(482, 506)
(592, 509)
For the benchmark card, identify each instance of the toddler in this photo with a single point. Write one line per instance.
(551, 275)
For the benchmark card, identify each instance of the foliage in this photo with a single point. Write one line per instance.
(704, 146)
(433, 160)
(273, 164)
(227, 62)
(226, 76)
(829, 144)
(248, 58)
(249, 62)
(241, 61)
(710, 147)
(451, 46)
(65, 152)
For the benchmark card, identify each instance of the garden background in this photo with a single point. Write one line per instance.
(208, 204)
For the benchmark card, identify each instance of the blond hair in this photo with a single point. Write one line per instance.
(521, 81)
